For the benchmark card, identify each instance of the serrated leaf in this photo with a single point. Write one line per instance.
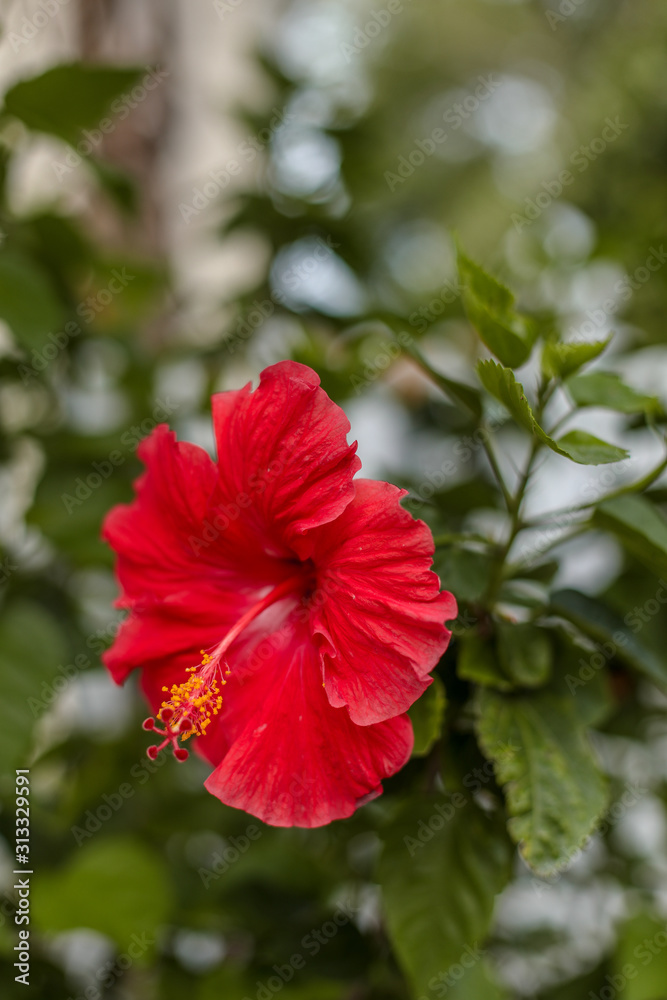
(68, 98)
(489, 307)
(502, 384)
(525, 653)
(601, 623)
(586, 449)
(639, 526)
(609, 390)
(426, 716)
(554, 789)
(439, 893)
(478, 662)
(560, 360)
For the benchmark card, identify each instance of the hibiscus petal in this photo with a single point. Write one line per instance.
(283, 456)
(381, 613)
(294, 759)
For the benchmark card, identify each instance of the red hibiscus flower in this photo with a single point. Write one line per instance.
(280, 610)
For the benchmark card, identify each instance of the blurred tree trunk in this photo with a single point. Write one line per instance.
(137, 33)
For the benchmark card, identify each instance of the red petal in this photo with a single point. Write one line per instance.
(283, 456)
(380, 610)
(294, 760)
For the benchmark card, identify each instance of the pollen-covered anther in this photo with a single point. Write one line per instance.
(189, 707)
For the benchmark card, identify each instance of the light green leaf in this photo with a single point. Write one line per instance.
(577, 445)
(641, 946)
(68, 98)
(525, 653)
(554, 789)
(439, 893)
(115, 886)
(586, 449)
(639, 526)
(427, 715)
(32, 648)
(607, 389)
(599, 622)
(561, 360)
(478, 662)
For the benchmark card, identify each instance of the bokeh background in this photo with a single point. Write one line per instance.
(288, 186)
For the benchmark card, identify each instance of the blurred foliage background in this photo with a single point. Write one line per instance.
(537, 132)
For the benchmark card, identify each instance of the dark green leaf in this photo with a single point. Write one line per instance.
(28, 303)
(478, 662)
(463, 571)
(440, 873)
(525, 653)
(599, 622)
(555, 791)
(32, 649)
(639, 526)
(427, 715)
(68, 98)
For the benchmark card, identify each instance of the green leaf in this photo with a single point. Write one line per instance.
(427, 715)
(607, 389)
(116, 886)
(32, 648)
(599, 622)
(489, 307)
(639, 526)
(28, 303)
(641, 947)
(577, 445)
(561, 360)
(502, 384)
(586, 449)
(68, 98)
(477, 662)
(554, 789)
(525, 653)
(463, 571)
(440, 873)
